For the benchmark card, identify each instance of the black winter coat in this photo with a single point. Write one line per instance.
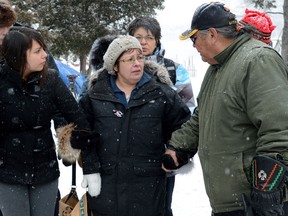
(27, 149)
(132, 142)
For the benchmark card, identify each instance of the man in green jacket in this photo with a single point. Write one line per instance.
(240, 128)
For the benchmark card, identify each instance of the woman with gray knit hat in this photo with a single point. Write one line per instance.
(131, 105)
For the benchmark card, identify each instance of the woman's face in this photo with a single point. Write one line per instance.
(147, 41)
(130, 67)
(36, 59)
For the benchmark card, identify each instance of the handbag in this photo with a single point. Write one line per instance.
(81, 207)
(70, 205)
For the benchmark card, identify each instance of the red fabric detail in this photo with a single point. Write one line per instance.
(259, 20)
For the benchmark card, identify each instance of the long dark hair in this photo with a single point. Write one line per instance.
(15, 45)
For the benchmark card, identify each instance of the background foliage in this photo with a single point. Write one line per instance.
(71, 26)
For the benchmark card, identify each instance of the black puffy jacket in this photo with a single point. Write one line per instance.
(27, 149)
(132, 142)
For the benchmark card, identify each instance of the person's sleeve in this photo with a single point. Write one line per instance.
(176, 112)
(186, 138)
(183, 87)
(265, 88)
(84, 88)
(58, 119)
(89, 156)
(65, 102)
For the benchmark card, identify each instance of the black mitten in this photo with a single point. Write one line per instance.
(268, 182)
(182, 157)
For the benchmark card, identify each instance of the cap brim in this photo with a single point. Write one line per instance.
(187, 34)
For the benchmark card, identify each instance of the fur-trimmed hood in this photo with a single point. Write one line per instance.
(154, 69)
(98, 50)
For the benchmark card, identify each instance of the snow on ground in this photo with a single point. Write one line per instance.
(189, 197)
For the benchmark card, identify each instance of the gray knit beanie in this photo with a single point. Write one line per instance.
(116, 48)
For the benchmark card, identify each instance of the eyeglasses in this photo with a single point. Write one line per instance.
(132, 60)
(202, 32)
(147, 38)
(193, 39)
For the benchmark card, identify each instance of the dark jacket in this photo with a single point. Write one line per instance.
(27, 149)
(131, 143)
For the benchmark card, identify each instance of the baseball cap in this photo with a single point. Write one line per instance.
(209, 15)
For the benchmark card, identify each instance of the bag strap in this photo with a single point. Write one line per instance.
(73, 186)
(74, 175)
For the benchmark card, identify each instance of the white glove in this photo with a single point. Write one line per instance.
(93, 181)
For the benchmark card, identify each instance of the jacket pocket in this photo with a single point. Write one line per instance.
(2, 157)
(148, 170)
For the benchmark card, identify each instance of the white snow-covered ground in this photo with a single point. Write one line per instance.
(189, 196)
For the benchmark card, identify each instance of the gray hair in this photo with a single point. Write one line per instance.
(228, 32)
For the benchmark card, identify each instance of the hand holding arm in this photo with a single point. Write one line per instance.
(174, 158)
(169, 160)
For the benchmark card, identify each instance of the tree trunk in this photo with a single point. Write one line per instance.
(284, 49)
(83, 58)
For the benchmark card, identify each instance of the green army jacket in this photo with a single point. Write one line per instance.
(242, 111)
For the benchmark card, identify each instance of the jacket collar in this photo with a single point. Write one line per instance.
(144, 79)
(225, 55)
(159, 72)
(15, 77)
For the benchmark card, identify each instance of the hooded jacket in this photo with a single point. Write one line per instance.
(98, 49)
(27, 149)
(242, 112)
(132, 142)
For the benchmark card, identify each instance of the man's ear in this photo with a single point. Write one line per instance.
(213, 33)
(213, 36)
